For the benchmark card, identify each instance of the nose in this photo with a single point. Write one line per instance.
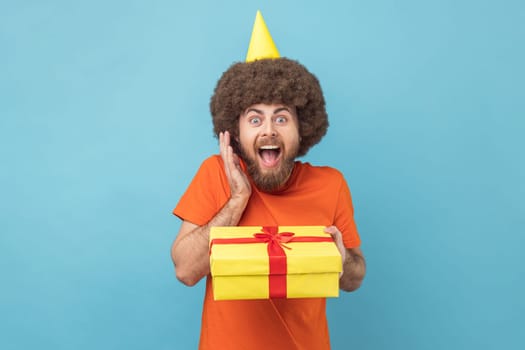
(268, 129)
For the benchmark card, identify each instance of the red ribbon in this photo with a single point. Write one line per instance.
(277, 257)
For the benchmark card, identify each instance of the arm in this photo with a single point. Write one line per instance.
(354, 269)
(354, 266)
(190, 250)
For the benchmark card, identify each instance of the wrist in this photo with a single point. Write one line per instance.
(235, 208)
(238, 202)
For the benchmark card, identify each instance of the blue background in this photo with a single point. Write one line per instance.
(104, 120)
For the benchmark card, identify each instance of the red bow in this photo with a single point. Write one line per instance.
(273, 237)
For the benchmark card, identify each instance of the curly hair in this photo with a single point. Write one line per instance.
(270, 81)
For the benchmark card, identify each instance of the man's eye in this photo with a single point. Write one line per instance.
(280, 120)
(255, 120)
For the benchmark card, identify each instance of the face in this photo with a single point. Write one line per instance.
(269, 142)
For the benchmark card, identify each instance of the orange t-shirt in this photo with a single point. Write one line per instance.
(312, 196)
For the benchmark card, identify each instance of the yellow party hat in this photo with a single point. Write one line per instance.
(261, 43)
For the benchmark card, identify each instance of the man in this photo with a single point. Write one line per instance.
(266, 113)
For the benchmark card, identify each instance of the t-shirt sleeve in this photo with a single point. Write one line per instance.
(205, 195)
(344, 217)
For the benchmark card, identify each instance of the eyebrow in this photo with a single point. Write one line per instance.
(253, 110)
(280, 109)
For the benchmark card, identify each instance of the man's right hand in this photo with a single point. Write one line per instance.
(190, 251)
(240, 188)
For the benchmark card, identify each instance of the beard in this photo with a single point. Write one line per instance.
(270, 180)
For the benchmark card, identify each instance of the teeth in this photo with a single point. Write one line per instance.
(269, 147)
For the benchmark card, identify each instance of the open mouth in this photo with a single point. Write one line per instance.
(270, 155)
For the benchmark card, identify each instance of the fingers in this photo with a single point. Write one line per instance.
(231, 161)
(330, 229)
(336, 235)
(338, 238)
(334, 232)
(224, 142)
(239, 183)
(236, 161)
(226, 152)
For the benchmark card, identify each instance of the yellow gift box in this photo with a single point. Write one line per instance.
(254, 262)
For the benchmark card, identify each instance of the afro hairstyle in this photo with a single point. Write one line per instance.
(270, 81)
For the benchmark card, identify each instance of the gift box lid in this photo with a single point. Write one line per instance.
(244, 250)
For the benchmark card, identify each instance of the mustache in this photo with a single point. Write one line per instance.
(275, 141)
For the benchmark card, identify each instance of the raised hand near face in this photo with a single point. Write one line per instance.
(240, 188)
